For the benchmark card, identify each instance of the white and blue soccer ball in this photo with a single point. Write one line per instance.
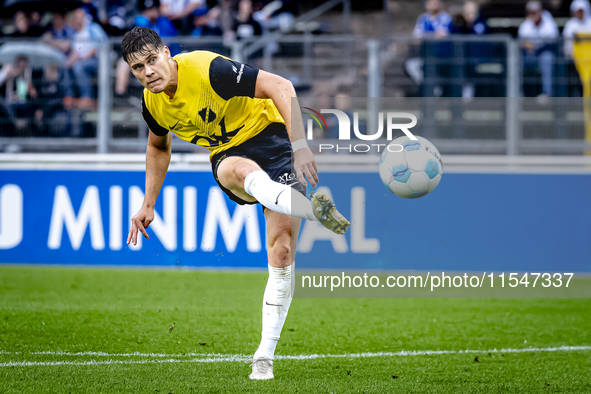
(410, 168)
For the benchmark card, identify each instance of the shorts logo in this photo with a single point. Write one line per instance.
(288, 179)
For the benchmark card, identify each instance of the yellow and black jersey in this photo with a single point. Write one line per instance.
(214, 104)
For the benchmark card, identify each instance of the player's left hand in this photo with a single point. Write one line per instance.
(305, 165)
(139, 223)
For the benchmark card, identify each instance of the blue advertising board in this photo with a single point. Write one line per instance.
(518, 222)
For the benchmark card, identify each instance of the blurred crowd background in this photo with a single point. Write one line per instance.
(64, 86)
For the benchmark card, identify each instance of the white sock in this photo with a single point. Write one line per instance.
(276, 302)
(277, 197)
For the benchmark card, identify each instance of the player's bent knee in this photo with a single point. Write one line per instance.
(280, 252)
(245, 168)
(233, 171)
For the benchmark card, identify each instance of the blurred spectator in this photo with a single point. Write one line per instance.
(205, 22)
(180, 12)
(322, 93)
(83, 61)
(35, 28)
(152, 19)
(580, 22)
(470, 21)
(116, 22)
(112, 16)
(59, 36)
(200, 22)
(277, 15)
(51, 117)
(244, 24)
(344, 102)
(217, 21)
(539, 28)
(20, 92)
(587, 6)
(91, 7)
(23, 26)
(433, 23)
(225, 21)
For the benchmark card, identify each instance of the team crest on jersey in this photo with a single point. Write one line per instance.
(207, 115)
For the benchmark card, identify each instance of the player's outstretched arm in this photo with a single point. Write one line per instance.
(157, 161)
(283, 94)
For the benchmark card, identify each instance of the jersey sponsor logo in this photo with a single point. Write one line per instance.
(221, 139)
(207, 115)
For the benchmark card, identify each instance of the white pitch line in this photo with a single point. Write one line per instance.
(93, 362)
(214, 357)
(135, 354)
(309, 356)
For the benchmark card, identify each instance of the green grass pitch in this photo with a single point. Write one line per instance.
(78, 330)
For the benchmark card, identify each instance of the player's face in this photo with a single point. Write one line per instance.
(152, 70)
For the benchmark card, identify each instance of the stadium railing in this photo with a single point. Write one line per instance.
(326, 163)
(475, 89)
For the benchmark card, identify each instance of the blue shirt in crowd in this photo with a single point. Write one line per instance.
(428, 24)
(164, 27)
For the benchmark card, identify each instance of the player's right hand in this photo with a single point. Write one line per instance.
(140, 222)
(305, 165)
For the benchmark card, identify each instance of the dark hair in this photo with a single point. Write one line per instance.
(143, 5)
(344, 89)
(140, 41)
(21, 58)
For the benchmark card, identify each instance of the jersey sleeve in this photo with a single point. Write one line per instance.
(231, 79)
(151, 122)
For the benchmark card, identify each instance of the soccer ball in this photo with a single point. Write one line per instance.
(410, 168)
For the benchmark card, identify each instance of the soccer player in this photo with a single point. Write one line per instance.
(243, 116)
